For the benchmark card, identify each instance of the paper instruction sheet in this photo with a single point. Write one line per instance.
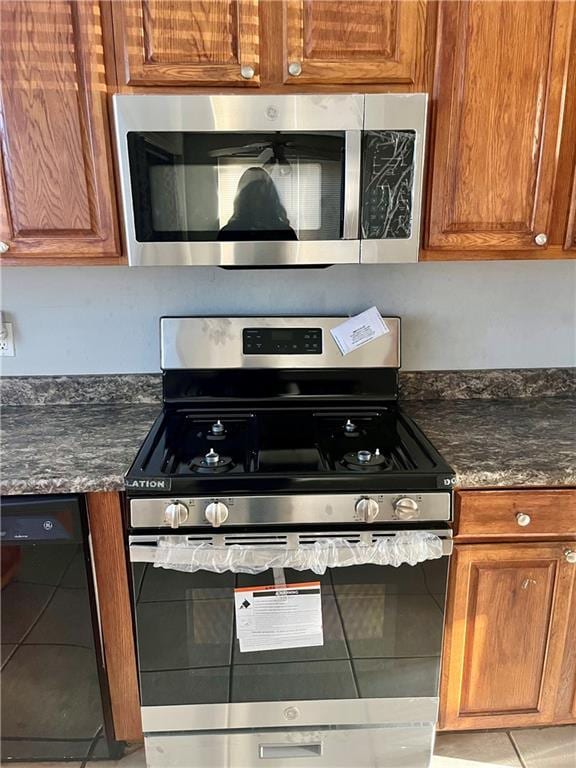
(359, 330)
(279, 616)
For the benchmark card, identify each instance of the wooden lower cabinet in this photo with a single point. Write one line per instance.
(509, 659)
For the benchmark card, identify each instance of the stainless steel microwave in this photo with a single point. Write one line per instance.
(242, 180)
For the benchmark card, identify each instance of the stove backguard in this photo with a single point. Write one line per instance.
(207, 361)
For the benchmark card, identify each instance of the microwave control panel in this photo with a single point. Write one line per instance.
(387, 184)
(282, 341)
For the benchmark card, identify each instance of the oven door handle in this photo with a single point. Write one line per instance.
(239, 553)
(143, 553)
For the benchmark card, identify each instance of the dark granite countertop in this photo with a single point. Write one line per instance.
(70, 448)
(490, 443)
(505, 443)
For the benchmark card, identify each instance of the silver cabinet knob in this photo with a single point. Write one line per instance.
(406, 508)
(523, 519)
(175, 514)
(295, 68)
(216, 513)
(367, 509)
(247, 72)
(570, 556)
(4, 247)
(541, 238)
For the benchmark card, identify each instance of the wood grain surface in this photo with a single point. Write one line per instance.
(489, 515)
(506, 631)
(57, 197)
(500, 80)
(355, 42)
(566, 692)
(111, 567)
(570, 241)
(186, 42)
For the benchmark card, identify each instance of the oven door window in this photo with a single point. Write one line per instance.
(382, 637)
(237, 186)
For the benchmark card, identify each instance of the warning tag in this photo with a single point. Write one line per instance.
(359, 330)
(279, 616)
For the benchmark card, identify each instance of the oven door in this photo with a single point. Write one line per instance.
(240, 180)
(367, 695)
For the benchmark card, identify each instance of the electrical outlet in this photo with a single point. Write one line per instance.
(6, 340)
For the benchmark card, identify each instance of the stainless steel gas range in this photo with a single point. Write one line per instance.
(289, 543)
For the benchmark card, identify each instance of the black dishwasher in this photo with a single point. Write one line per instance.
(55, 703)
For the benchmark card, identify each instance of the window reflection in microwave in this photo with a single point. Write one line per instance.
(257, 205)
(214, 186)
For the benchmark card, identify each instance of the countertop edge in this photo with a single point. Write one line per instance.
(469, 481)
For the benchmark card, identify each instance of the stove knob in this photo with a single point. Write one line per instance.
(216, 513)
(406, 508)
(367, 509)
(175, 514)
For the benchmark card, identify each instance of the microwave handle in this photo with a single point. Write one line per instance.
(352, 178)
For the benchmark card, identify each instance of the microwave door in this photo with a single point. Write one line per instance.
(240, 180)
(392, 170)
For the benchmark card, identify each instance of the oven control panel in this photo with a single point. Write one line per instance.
(403, 508)
(282, 341)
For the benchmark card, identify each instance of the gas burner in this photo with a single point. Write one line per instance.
(366, 461)
(212, 462)
(217, 431)
(350, 429)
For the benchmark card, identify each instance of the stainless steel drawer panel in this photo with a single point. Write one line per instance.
(393, 713)
(395, 747)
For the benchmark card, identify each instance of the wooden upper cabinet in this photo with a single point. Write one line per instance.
(506, 635)
(570, 242)
(500, 81)
(187, 42)
(57, 191)
(335, 42)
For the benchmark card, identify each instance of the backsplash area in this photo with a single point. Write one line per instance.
(456, 316)
(146, 388)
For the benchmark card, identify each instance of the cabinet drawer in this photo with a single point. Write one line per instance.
(490, 514)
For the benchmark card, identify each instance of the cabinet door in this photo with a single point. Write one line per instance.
(500, 80)
(57, 192)
(566, 696)
(506, 630)
(332, 42)
(570, 243)
(187, 42)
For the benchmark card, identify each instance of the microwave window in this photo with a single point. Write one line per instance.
(234, 186)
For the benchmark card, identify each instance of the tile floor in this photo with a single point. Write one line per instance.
(531, 748)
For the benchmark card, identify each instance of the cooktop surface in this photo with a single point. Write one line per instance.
(277, 449)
